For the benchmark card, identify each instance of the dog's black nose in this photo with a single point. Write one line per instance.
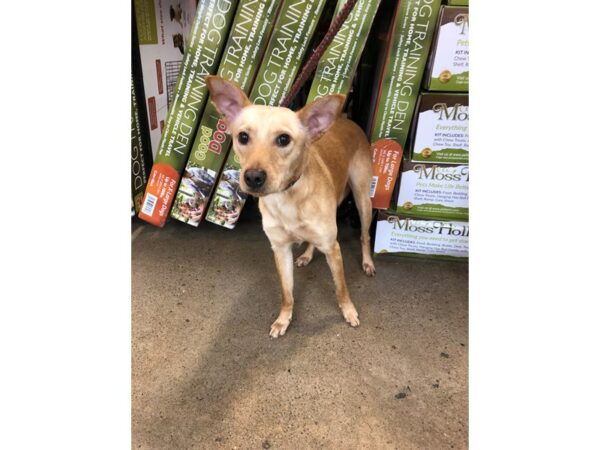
(255, 178)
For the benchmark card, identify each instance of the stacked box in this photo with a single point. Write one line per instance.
(292, 33)
(408, 47)
(205, 44)
(406, 236)
(448, 67)
(161, 31)
(434, 191)
(441, 129)
(243, 53)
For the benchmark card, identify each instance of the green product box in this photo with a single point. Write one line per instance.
(139, 152)
(441, 129)
(458, 2)
(425, 238)
(434, 191)
(243, 53)
(288, 44)
(448, 67)
(205, 44)
(408, 48)
(338, 64)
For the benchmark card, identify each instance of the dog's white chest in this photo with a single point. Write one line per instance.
(282, 220)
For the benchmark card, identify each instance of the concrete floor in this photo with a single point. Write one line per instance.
(207, 375)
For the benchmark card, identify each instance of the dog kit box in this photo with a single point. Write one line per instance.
(287, 46)
(338, 64)
(140, 152)
(205, 43)
(162, 29)
(434, 191)
(407, 236)
(408, 46)
(448, 67)
(243, 53)
(441, 129)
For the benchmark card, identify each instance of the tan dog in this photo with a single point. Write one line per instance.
(301, 166)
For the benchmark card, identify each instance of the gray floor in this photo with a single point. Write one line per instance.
(207, 375)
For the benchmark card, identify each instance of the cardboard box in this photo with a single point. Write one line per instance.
(458, 2)
(288, 44)
(434, 191)
(242, 55)
(205, 44)
(441, 129)
(448, 66)
(162, 31)
(408, 47)
(406, 236)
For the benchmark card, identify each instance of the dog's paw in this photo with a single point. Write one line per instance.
(351, 315)
(303, 260)
(369, 269)
(279, 327)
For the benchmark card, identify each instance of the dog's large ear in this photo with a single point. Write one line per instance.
(320, 114)
(227, 97)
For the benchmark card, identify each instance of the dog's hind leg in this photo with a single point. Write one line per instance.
(360, 174)
(306, 257)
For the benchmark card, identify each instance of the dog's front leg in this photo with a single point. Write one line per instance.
(285, 268)
(336, 264)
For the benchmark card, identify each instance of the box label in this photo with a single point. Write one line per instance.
(450, 69)
(406, 236)
(442, 130)
(440, 192)
(387, 157)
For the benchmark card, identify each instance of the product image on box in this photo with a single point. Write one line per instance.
(407, 236)
(163, 30)
(449, 61)
(441, 132)
(434, 191)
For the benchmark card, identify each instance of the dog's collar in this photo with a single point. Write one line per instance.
(292, 183)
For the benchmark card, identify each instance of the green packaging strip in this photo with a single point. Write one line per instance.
(412, 34)
(338, 64)
(243, 53)
(292, 33)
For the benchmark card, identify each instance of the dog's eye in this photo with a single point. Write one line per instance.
(243, 138)
(283, 140)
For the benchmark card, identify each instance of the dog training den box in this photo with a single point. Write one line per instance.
(448, 66)
(434, 191)
(408, 236)
(441, 129)
(410, 38)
